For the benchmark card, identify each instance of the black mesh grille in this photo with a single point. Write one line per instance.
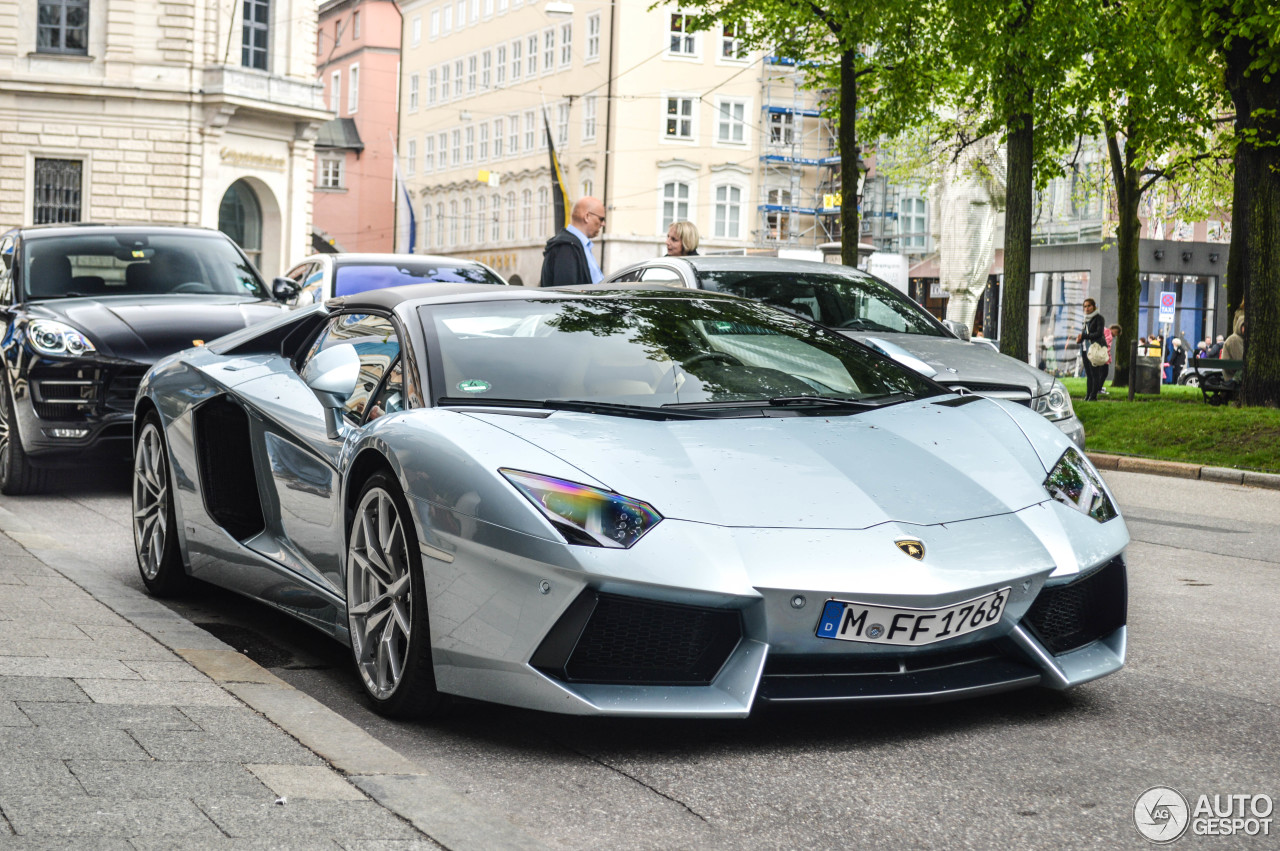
(122, 389)
(605, 638)
(53, 399)
(1064, 617)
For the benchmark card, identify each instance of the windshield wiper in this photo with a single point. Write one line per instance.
(584, 406)
(799, 402)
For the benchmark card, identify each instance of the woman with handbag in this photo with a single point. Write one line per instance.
(1092, 341)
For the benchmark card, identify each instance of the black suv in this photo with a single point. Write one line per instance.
(85, 310)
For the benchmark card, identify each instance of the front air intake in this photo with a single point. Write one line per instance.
(606, 638)
(1074, 613)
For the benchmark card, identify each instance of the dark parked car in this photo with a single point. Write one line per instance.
(85, 310)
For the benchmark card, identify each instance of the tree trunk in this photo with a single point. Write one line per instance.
(850, 232)
(1260, 257)
(1128, 282)
(1255, 247)
(1017, 238)
(1125, 179)
(1237, 284)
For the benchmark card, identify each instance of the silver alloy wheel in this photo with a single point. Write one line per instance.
(6, 434)
(150, 500)
(379, 593)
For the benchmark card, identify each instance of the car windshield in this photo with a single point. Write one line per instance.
(848, 301)
(352, 278)
(653, 350)
(128, 264)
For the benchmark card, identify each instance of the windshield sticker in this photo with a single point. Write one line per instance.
(474, 385)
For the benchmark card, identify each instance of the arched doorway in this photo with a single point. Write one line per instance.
(240, 217)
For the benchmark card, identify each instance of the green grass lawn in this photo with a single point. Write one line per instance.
(1178, 426)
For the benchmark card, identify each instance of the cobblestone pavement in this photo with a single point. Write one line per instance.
(111, 740)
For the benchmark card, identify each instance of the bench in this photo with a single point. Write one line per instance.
(1216, 389)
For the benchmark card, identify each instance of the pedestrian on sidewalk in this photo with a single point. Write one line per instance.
(1091, 334)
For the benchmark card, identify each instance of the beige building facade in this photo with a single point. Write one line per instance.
(196, 112)
(662, 124)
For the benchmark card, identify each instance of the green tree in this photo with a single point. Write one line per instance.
(1156, 115)
(1240, 40)
(1013, 61)
(848, 48)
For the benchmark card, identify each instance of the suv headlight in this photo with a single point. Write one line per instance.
(586, 515)
(1075, 483)
(58, 339)
(1056, 404)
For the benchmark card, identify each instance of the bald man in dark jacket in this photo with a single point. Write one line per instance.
(568, 258)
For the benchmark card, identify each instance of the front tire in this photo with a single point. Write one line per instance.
(17, 475)
(387, 605)
(155, 525)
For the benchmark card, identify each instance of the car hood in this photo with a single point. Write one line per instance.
(146, 328)
(958, 363)
(917, 462)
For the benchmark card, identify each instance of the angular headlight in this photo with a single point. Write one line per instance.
(55, 338)
(586, 515)
(1074, 482)
(1056, 404)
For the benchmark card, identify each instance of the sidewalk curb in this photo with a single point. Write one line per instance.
(388, 778)
(1179, 470)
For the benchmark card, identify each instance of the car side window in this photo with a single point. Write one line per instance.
(390, 397)
(662, 274)
(627, 277)
(378, 346)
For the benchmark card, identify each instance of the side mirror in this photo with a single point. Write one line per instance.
(332, 376)
(284, 289)
(961, 331)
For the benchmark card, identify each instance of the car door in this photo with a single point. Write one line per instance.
(299, 463)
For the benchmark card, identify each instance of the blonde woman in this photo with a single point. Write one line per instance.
(682, 239)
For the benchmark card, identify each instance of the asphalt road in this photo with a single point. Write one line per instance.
(1197, 708)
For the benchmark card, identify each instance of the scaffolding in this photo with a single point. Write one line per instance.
(799, 163)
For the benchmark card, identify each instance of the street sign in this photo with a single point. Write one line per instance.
(1168, 302)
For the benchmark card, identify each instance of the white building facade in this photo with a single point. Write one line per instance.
(661, 123)
(197, 112)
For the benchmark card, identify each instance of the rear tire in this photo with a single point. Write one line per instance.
(387, 605)
(155, 525)
(17, 475)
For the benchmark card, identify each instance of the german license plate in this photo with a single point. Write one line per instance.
(847, 621)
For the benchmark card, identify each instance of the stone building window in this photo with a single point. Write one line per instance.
(253, 44)
(57, 185)
(331, 172)
(62, 26)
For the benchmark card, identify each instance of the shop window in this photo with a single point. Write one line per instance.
(240, 217)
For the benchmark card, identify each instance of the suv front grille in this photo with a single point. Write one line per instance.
(73, 393)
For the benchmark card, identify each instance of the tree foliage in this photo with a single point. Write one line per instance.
(1240, 41)
(1157, 116)
(849, 49)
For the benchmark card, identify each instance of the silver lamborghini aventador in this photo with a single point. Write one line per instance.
(625, 501)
